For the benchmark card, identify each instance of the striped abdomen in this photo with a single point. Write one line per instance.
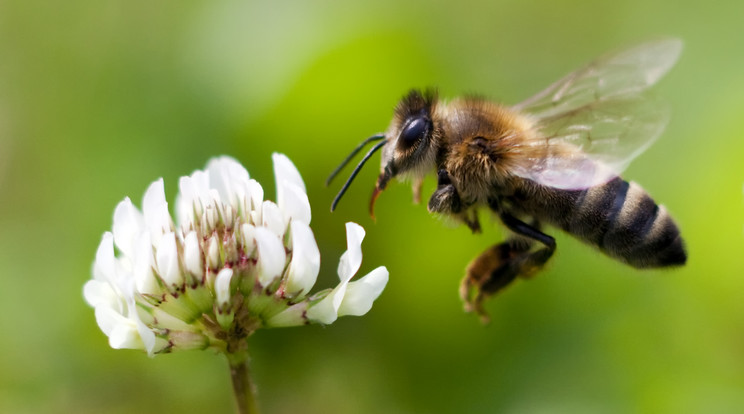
(618, 217)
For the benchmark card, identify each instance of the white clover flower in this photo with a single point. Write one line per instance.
(230, 264)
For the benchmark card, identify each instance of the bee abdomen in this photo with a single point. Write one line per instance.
(624, 221)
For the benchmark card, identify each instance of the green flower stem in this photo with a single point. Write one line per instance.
(243, 386)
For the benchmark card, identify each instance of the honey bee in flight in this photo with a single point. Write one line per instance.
(553, 159)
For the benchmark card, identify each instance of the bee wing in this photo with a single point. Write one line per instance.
(592, 123)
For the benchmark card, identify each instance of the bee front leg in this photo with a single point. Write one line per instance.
(498, 266)
(446, 200)
(416, 186)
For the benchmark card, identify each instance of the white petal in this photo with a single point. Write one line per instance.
(213, 209)
(128, 223)
(123, 332)
(271, 255)
(255, 195)
(189, 206)
(361, 293)
(219, 175)
(229, 177)
(155, 211)
(154, 196)
(145, 279)
(291, 194)
(326, 311)
(167, 260)
(147, 336)
(255, 217)
(293, 202)
(192, 255)
(184, 213)
(103, 266)
(222, 286)
(272, 218)
(125, 337)
(228, 215)
(305, 264)
(213, 252)
(108, 318)
(248, 239)
(284, 169)
(199, 182)
(352, 257)
(98, 293)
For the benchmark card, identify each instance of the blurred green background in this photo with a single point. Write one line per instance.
(99, 98)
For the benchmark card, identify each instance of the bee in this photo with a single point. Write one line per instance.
(552, 159)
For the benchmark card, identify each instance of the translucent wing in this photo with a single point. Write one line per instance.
(592, 123)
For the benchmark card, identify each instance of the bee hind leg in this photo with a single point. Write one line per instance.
(497, 267)
(489, 273)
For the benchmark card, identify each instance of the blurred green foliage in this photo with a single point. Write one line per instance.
(98, 99)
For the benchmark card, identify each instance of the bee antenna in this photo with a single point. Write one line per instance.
(354, 152)
(356, 171)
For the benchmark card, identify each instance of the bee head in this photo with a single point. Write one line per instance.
(408, 147)
(411, 140)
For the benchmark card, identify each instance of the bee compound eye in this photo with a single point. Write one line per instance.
(414, 131)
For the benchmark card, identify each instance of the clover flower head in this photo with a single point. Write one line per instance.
(230, 264)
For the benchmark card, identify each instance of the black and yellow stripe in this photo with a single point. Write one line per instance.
(618, 217)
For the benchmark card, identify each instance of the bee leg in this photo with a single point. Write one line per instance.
(417, 184)
(490, 272)
(498, 266)
(530, 262)
(446, 200)
(470, 218)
